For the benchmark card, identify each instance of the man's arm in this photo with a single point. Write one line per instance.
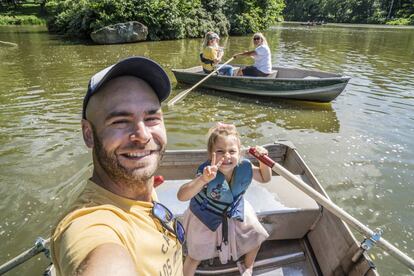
(107, 259)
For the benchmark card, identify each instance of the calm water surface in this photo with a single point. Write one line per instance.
(360, 146)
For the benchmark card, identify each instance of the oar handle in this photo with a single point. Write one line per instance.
(330, 206)
(181, 96)
(40, 246)
(265, 159)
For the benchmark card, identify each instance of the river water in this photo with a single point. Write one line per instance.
(360, 146)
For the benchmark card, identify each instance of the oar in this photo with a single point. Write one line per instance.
(334, 209)
(185, 92)
(8, 43)
(40, 246)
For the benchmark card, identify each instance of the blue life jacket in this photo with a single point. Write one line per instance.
(219, 200)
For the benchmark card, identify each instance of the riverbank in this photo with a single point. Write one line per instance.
(31, 14)
(351, 25)
(23, 14)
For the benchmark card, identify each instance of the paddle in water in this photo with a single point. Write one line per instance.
(181, 95)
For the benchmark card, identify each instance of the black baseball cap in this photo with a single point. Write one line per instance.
(140, 67)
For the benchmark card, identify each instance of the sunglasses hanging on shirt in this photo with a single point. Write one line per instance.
(166, 217)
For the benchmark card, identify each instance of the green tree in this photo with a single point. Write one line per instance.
(350, 11)
(303, 10)
(165, 19)
(247, 16)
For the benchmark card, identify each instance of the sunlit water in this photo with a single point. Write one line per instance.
(360, 146)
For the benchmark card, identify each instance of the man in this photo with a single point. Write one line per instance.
(116, 227)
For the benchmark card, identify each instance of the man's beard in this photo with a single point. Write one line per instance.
(118, 173)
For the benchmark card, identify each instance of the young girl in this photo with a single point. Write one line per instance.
(219, 222)
(212, 55)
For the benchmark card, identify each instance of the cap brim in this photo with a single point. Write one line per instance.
(140, 67)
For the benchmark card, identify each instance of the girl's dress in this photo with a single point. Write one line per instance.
(220, 208)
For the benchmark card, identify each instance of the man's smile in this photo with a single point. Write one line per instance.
(137, 155)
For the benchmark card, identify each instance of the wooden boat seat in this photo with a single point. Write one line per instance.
(273, 74)
(284, 210)
(270, 76)
(311, 78)
(275, 258)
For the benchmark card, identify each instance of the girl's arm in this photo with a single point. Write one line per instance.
(263, 173)
(190, 189)
(219, 55)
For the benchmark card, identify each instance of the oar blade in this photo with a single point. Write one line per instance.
(184, 93)
(178, 97)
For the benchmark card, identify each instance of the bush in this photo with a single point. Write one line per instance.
(350, 11)
(21, 20)
(399, 21)
(21, 14)
(165, 19)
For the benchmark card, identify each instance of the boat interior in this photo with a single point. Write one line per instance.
(277, 73)
(304, 238)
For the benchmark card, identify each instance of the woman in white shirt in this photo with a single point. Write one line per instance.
(263, 61)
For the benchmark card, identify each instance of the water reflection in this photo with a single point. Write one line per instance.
(250, 112)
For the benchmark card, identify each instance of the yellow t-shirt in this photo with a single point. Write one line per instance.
(101, 217)
(210, 53)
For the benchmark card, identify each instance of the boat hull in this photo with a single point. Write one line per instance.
(318, 88)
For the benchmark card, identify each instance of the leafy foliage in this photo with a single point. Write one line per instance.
(165, 19)
(351, 11)
(18, 13)
(251, 16)
(21, 20)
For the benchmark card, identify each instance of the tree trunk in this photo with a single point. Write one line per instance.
(42, 7)
(389, 12)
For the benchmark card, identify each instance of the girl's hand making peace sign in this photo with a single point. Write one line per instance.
(210, 172)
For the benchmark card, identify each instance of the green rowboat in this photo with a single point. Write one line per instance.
(288, 83)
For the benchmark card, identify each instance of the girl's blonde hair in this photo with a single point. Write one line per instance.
(221, 130)
(209, 36)
(263, 38)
